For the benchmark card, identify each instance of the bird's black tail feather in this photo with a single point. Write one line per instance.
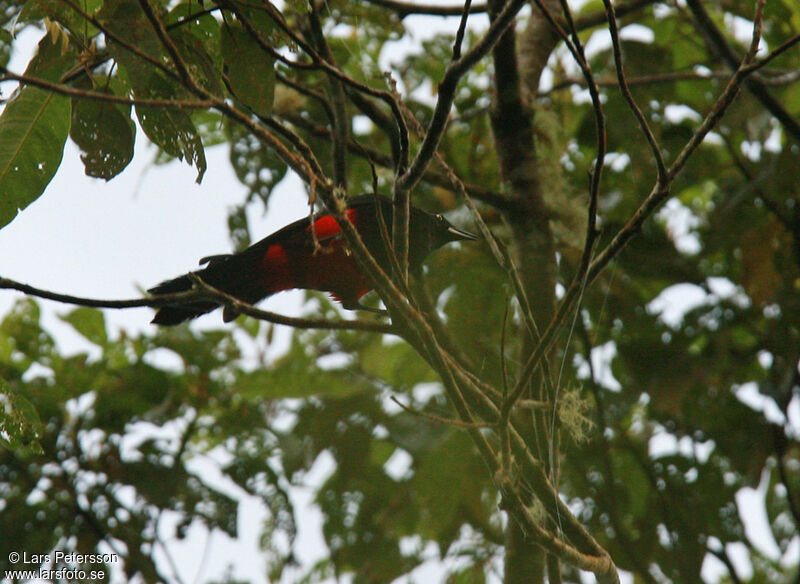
(178, 313)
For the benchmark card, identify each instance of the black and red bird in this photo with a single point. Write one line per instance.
(287, 259)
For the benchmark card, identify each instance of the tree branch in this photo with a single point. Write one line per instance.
(204, 292)
(716, 41)
(447, 89)
(68, 91)
(626, 93)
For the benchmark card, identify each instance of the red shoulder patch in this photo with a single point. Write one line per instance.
(326, 226)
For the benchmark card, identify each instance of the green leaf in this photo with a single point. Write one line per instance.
(20, 426)
(89, 323)
(290, 379)
(105, 133)
(170, 128)
(61, 12)
(397, 363)
(173, 130)
(256, 165)
(439, 484)
(250, 71)
(197, 37)
(33, 130)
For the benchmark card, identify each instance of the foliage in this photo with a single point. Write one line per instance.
(646, 423)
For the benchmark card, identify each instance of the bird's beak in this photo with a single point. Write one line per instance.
(456, 234)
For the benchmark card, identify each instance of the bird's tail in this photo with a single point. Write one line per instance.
(177, 313)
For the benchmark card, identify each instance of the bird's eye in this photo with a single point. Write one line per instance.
(439, 217)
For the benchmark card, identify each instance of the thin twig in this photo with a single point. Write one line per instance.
(777, 52)
(626, 92)
(462, 26)
(447, 90)
(435, 418)
(68, 91)
(340, 121)
(161, 32)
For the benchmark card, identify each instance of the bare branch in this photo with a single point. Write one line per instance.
(447, 90)
(777, 52)
(626, 93)
(203, 293)
(461, 29)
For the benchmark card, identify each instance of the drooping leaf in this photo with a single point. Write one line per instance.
(250, 70)
(33, 130)
(171, 128)
(89, 323)
(105, 133)
(254, 163)
(20, 426)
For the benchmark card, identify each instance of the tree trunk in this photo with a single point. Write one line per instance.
(534, 249)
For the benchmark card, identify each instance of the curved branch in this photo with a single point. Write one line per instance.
(204, 292)
(404, 9)
(626, 93)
